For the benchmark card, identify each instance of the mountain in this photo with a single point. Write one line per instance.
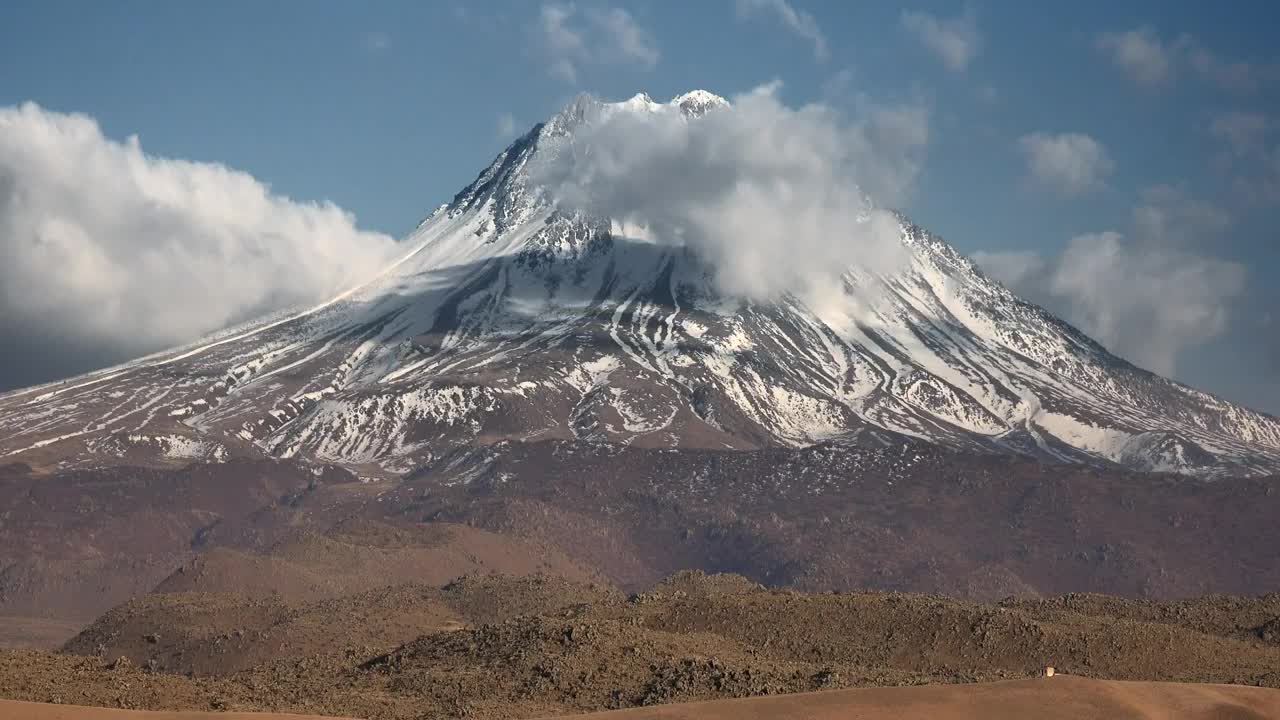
(510, 318)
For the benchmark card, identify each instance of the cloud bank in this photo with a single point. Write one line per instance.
(775, 198)
(107, 253)
(1148, 296)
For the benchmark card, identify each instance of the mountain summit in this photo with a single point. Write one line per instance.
(509, 317)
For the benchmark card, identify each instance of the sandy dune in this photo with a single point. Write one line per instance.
(16, 710)
(1058, 698)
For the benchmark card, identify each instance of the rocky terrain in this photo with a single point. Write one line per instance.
(912, 517)
(496, 647)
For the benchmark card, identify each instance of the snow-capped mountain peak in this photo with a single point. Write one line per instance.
(509, 318)
(697, 103)
(586, 108)
(640, 102)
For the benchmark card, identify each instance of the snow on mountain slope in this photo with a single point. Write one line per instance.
(509, 318)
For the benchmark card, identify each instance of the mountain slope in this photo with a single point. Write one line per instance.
(510, 318)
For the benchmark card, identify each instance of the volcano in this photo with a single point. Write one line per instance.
(510, 317)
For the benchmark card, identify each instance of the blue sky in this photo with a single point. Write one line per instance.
(1046, 122)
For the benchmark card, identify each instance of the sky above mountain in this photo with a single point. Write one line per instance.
(1120, 166)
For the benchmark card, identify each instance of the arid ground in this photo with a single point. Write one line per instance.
(492, 646)
(1059, 698)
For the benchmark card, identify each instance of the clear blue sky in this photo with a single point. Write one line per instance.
(387, 108)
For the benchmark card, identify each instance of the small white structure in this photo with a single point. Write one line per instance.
(1048, 671)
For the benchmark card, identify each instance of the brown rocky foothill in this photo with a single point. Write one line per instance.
(504, 647)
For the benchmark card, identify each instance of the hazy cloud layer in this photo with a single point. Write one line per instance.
(571, 38)
(506, 127)
(1249, 155)
(1153, 61)
(1069, 163)
(1170, 218)
(796, 21)
(774, 197)
(376, 41)
(954, 41)
(1141, 54)
(107, 253)
(1267, 187)
(1243, 132)
(1231, 76)
(1014, 268)
(1149, 296)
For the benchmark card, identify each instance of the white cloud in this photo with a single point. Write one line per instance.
(506, 125)
(954, 41)
(570, 38)
(1146, 303)
(1070, 163)
(798, 22)
(775, 198)
(1148, 297)
(114, 253)
(563, 45)
(1141, 54)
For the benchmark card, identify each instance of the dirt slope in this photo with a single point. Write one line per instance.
(358, 554)
(1057, 698)
(17, 710)
(75, 543)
